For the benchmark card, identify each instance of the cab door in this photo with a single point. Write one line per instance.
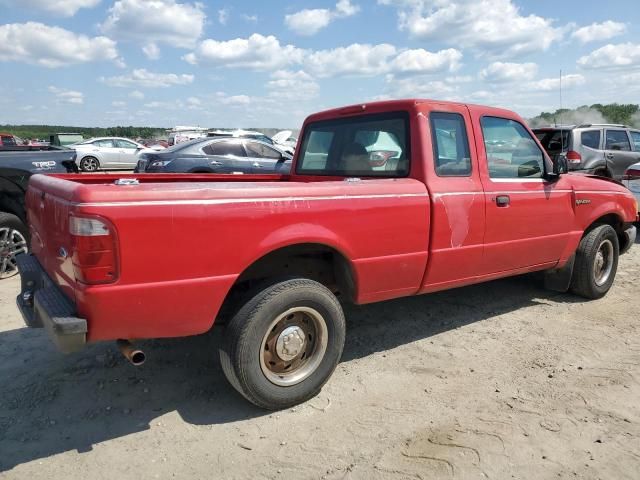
(528, 218)
(457, 197)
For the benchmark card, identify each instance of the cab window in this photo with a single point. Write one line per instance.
(374, 145)
(450, 145)
(511, 150)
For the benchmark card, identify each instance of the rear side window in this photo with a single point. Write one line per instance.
(223, 149)
(553, 141)
(590, 138)
(103, 143)
(511, 150)
(375, 145)
(635, 138)
(450, 145)
(617, 140)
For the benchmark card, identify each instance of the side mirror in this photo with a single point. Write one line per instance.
(560, 165)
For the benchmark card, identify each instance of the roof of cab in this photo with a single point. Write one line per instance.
(413, 104)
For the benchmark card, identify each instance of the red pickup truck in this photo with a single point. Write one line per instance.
(464, 194)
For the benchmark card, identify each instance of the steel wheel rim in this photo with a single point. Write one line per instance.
(12, 243)
(603, 263)
(90, 164)
(293, 369)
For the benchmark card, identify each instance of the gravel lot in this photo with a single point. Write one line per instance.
(501, 380)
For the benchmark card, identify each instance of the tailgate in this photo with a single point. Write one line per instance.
(48, 217)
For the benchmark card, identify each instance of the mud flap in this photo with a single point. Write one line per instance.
(559, 279)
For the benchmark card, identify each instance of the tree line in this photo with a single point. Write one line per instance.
(625, 114)
(43, 131)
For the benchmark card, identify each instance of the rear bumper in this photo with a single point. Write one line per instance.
(630, 235)
(43, 305)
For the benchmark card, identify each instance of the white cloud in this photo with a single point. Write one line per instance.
(344, 8)
(156, 21)
(232, 100)
(612, 57)
(599, 31)
(137, 94)
(152, 51)
(223, 16)
(118, 103)
(266, 53)
(290, 85)
(353, 60)
(423, 61)
(59, 8)
(499, 72)
(52, 47)
(250, 18)
(67, 97)
(309, 22)
(492, 27)
(256, 52)
(145, 79)
(420, 87)
(552, 84)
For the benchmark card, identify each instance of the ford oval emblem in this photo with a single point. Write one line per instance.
(63, 252)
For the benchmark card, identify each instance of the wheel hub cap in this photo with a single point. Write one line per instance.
(290, 343)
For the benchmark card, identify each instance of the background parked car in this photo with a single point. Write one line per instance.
(632, 181)
(217, 155)
(601, 149)
(108, 153)
(17, 164)
(285, 141)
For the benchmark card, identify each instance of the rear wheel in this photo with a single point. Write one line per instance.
(596, 263)
(13, 241)
(89, 164)
(602, 172)
(284, 343)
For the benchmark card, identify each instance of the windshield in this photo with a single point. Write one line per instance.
(363, 146)
(553, 141)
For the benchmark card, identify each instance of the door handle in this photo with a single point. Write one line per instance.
(215, 163)
(502, 200)
(610, 156)
(257, 165)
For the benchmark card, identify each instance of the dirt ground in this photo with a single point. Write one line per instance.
(501, 380)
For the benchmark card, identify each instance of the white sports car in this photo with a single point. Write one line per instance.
(108, 153)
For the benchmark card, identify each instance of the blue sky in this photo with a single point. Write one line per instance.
(271, 63)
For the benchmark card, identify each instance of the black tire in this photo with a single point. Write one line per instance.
(603, 172)
(244, 350)
(89, 164)
(586, 281)
(14, 239)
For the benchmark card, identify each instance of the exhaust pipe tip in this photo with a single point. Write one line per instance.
(135, 356)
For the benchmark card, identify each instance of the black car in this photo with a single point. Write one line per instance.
(17, 164)
(216, 155)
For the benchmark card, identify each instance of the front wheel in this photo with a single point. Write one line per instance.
(596, 263)
(284, 343)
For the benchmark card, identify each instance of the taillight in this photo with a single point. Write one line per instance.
(573, 157)
(378, 158)
(94, 256)
(632, 173)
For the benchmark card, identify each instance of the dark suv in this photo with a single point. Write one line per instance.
(600, 149)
